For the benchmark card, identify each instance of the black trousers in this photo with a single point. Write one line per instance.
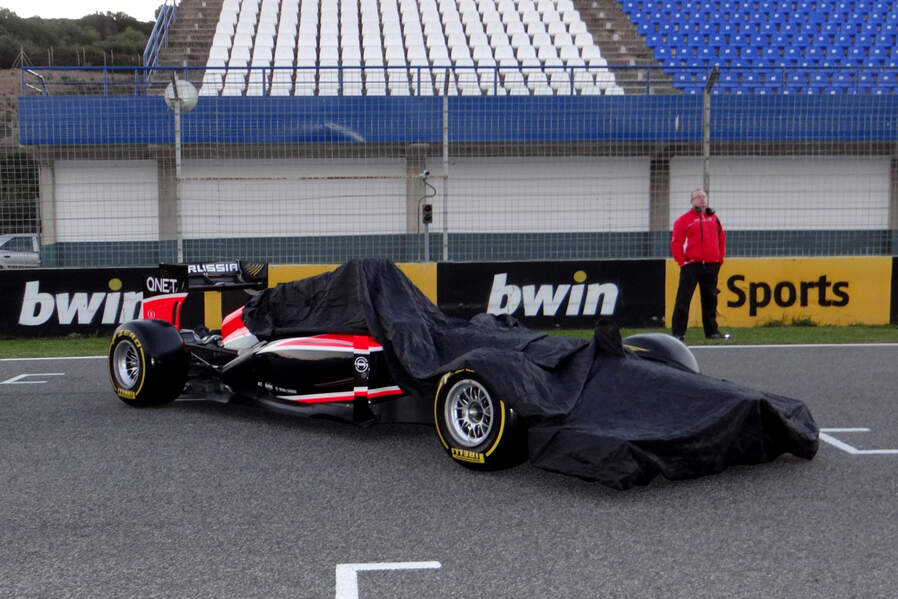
(705, 276)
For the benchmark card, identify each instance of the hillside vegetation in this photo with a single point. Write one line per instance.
(93, 40)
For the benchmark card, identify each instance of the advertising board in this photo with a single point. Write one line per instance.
(562, 294)
(53, 302)
(824, 291)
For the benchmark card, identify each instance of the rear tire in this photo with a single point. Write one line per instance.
(476, 428)
(147, 363)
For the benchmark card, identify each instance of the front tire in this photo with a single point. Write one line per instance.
(476, 428)
(147, 363)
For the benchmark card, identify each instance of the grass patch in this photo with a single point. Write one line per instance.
(795, 322)
(792, 333)
(49, 347)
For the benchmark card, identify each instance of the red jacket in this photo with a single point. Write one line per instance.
(698, 238)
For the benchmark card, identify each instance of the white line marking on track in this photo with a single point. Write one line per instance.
(17, 380)
(794, 345)
(347, 574)
(55, 358)
(851, 449)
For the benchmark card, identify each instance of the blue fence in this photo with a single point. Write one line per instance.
(62, 120)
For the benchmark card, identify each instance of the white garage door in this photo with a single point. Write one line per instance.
(522, 194)
(106, 200)
(790, 192)
(263, 198)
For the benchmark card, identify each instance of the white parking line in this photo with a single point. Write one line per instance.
(851, 449)
(347, 574)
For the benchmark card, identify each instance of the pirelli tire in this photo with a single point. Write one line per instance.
(476, 428)
(147, 363)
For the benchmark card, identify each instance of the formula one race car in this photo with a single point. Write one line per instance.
(364, 345)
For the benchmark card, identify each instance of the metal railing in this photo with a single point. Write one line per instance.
(33, 82)
(159, 37)
(491, 81)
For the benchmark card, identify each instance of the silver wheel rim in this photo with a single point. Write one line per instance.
(469, 413)
(126, 364)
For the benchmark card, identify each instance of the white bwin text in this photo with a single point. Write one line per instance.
(601, 298)
(38, 307)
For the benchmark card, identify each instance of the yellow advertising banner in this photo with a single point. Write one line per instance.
(827, 291)
(422, 274)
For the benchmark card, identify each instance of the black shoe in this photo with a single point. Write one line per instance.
(680, 337)
(717, 335)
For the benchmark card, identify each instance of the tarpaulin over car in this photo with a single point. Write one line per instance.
(593, 410)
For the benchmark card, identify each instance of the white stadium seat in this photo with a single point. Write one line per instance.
(541, 39)
(576, 27)
(556, 27)
(536, 28)
(536, 35)
(563, 39)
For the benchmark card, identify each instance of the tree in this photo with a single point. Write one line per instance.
(92, 39)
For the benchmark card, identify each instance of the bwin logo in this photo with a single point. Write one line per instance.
(600, 298)
(38, 306)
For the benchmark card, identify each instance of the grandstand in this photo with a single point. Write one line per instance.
(316, 121)
(535, 47)
(397, 47)
(777, 46)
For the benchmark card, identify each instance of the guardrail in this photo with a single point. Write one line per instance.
(33, 82)
(333, 80)
(159, 37)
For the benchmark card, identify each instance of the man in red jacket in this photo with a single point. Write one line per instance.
(698, 244)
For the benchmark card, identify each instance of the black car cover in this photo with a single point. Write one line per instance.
(593, 410)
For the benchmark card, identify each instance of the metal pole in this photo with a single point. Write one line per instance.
(446, 167)
(706, 131)
(178, 180)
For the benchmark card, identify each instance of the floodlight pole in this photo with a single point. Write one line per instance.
(706, 130)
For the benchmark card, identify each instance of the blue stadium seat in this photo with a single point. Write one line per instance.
(814, 23)
(885, 39)
(857, 56)
(867, 80)
(771, 56)
(797, 80)
(816, 34)
(843, 80)
(877, 57)
(727, 55)
(819, 79)
(792, 56)
(831, 30)
(774, 79)
(706, 55)
(871, 28)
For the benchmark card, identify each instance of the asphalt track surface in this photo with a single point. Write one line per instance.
(198, 499)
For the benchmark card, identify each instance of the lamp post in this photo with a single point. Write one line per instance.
(181, 97)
